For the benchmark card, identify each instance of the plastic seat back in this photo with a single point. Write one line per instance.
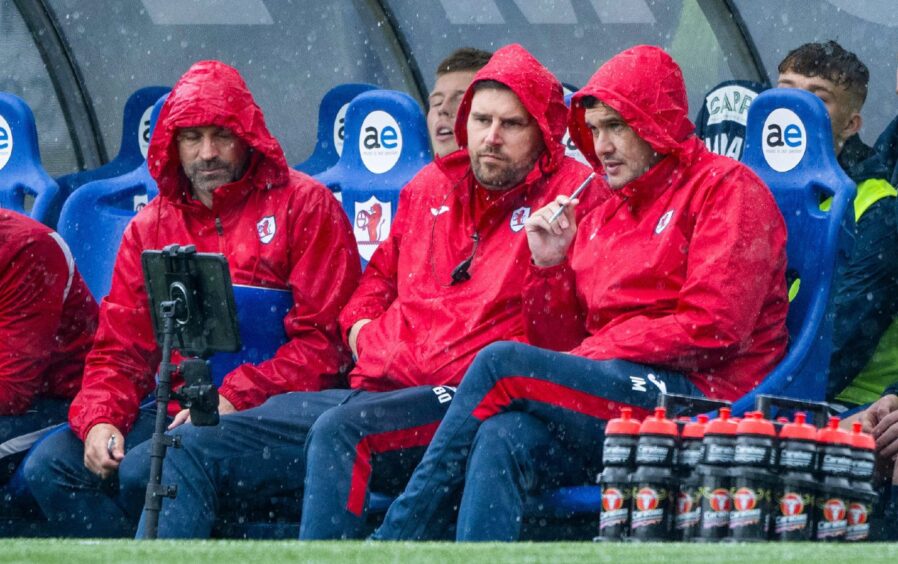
(724, 114)
(386, 144)
(331, 127)
(134, 144)
(25, 186)
(260, 321)
(789, 145)
(95, 216)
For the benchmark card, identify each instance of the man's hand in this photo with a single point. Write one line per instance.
(97, 456)
(224, 407)
(354, 335)
(549, 242)
(881, 419)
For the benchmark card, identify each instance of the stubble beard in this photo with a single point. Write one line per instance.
(502, 175)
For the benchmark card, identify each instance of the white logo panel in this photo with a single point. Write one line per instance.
(5, 142)
(143, 132)
(380, 142)
(784, 140)
(340, 129)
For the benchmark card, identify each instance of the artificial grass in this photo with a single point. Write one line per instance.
(269, 552)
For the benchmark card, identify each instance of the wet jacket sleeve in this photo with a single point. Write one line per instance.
(378, 288)
(325, 271)
(553, 317)
(736, 248)
(32, 288)
(866, 299)
(119, 370)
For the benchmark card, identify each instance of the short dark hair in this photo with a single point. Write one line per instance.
(589, 102)
(490, 85)
(832, 62)
(464, 59)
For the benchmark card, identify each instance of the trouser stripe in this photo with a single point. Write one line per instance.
(376, 444)
(511, 388)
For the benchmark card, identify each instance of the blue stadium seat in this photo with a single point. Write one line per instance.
(22, 177)
(722, 119)
(134, 144)
(386, 144)
(331, 122)
(789, 145)
(260, 321)
(94, 217)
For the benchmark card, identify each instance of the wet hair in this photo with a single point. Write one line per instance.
(830, 61)
(589, 102)
(490, 85)
(464, 59)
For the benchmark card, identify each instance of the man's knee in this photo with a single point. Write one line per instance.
(59, 453)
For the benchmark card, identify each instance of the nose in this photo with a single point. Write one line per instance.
(208, 148)
(602, 144)
(493, 136)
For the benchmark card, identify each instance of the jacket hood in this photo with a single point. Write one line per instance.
(887, 147)
(213, 93)
(537, 89)
(645, 86)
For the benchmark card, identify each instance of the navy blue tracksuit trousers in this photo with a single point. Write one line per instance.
(336, 441)
(514, 403)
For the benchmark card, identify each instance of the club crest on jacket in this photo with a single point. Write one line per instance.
(266, 228)
(518, 218)
(663, 222)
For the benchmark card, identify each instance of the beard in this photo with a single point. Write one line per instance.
(223, 174)
(501, 175)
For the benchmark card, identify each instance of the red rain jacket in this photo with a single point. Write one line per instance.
(277, 227)
(424, 331)
(47, 315)
(683, 268)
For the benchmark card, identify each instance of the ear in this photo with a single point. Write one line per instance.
(852, 126)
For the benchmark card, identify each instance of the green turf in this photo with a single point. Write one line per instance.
(257, 552)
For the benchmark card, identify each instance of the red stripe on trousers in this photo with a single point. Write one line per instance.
(513, 388)
(376, 444)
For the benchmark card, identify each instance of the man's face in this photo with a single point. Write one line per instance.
(504, 141)
(211, 157)
(846, 121)
(624, 155)
(442, 106)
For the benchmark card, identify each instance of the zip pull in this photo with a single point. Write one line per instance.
(218, 226)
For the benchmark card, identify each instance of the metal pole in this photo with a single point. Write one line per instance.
(160, 442)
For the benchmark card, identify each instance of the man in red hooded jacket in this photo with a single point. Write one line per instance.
(445, 283)
(47, 324)
(675, 284)
(225, 187)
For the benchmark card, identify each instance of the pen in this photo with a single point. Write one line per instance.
(576, 193)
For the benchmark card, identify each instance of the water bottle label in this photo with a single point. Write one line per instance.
(689, 509)
(690, 457)
(858, 528)
(719, 453)
(835, 464)
(862, 468)
(747, 507)
(615, 454)
(833, 518)
(715, 508)
(651, 454)
(748, 454)
(796, 458)
(648, 506)
(793, 512)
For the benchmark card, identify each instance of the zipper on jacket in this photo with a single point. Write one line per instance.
(218, 226)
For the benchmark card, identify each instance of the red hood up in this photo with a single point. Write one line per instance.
(537, 89)
(213, 93)
(645, 86)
